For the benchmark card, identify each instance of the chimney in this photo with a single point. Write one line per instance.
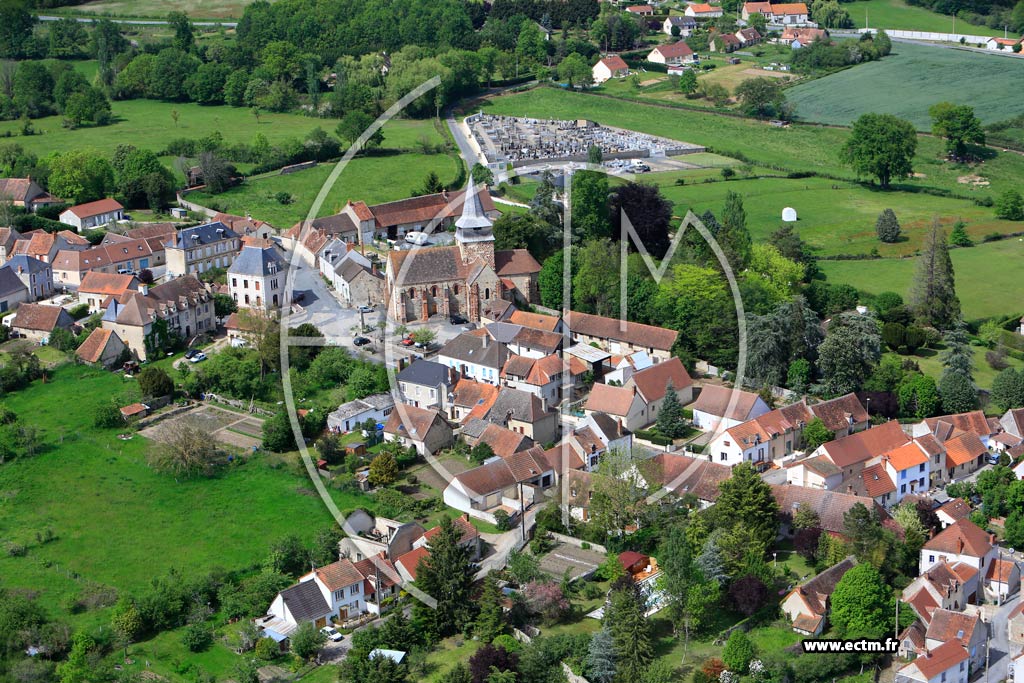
(543, 404)
(373, 268)
(992, 539)
(465, 516)
(20, 270)
(487, 339)
(349, 246)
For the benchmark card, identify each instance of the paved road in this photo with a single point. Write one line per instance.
(1000, 649)
(466, 150)
(138, 22)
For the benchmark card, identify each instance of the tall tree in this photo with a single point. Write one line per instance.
(601, 657)
(184, 39)
(864, 531)
(887, 226)
(589, 192)
(648, 212)
(792, 331)
(861, 603)
(630, 630)
(933, 296)
(595, 282)
(80, 175)
(733, 236)
(543, 204)
(670, 420)
(489, 622)
(690, 592)
(882, 146)
(1008, 390)
(447, 577)
(956, 385)
(958, 125)
(748, 501)
(850, 351)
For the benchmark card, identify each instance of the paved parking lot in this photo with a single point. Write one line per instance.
(577, 560)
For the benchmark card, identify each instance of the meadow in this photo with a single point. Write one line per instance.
(196, 9)
(922, 75)
(795, 148)
(835, 217)
(373, 179)
(988, 276)
(896, 14)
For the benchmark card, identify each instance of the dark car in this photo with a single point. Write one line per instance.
(190, 353)
(458, 320)
(360, 341)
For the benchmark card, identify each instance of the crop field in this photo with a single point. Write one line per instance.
(373, 179)
(836, 218)
(796, 148)
(196, 9)
(923, 75)
(897, 14)
(989, 277)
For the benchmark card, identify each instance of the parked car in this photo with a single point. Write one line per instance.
(191, 353)
(366, 309)
(993, 458)
(458, 320)
(406, 342)
(360, 341)
(198, 358)
(331, 633)
(417, 238)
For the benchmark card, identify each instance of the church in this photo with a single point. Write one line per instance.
(461, 279)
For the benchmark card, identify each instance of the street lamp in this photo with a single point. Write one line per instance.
(774, 562)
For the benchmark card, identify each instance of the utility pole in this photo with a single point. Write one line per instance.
(522, 512)
(896, 631)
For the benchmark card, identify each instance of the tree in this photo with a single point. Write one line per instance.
(140, 178)
(918, 396)
(383, 469)
(575, 71)
(882, 146)
(217, 173)
(489, 622)
(550, 281)
(864, 532)
(80, 176)
(546, 599)
(32, 90)
(543, 204)
(958, 393)
(648, 212)
(933, 297)
(523, 568)
(748, 593)
(184, 39)
(155, 382)
(277, 433)
(805, 517)
(595, 282)
(600, 662)
(1008, 390)
(849, 353)
(630, 630)
(887, 227)
(738, 652)
(589, 192)
(688, 81)
(223, 305)
(188, 451)
(354, 124)
(1014, 529)
(733, 238)
(958, 237)
(306, 641)
(480, 452)
(1010, 206)
(748, 501)
(760, 97)
(446, 576)
(525, 231)
(670, 420)
(958, 359)
(16, 22)
(690, 582)
(861, 604)
(958, 125)
(126, 621)
(481, 174)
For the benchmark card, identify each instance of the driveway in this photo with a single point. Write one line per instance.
(1000, 649)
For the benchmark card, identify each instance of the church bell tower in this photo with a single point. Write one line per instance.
(473, 228)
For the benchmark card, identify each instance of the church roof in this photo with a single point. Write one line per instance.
(473, 215)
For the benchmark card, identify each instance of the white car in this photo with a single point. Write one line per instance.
(198, 358)
(331, 633)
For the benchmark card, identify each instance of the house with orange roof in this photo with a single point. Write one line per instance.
(408, 563)
(92, 214)
(947, 663)
(851, 454)
(497, 484)
(702, 11)
(612, 66)
(999, 44)
(673, 54)
(641, 10)
(953, 510)
(621, 336)
(469, 537)
(963, 542)
(97, 286)
(38, 321)
(620, 403)
(967, 629)
(965, 454)
(751, 8)
(542, 377)
(717, 405)
(790, 14)
(807, 606)
(101, 347)
(908, 469)
(768, 437)
(471, 399)
(652, 385)
(1002, 579)
(45, 246)
(943, 586)
(946, 426)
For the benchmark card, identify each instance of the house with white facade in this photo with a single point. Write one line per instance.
(702, 11)
(474, 355)
(620, 403)
(351, 415)
(715, 407)
(483, 490)
(945, 664)
(612, 66)
(673, 54)
(807, 606)
(93, 214)
(686, 26)
(426, 384)
(963, 542)
(256, 278)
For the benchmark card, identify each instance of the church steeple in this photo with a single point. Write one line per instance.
(473, 228)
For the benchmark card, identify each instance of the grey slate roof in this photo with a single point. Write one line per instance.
(10, 283)
(426, 373)
(29, 264)
(503, 332)
(257, 261)
(516, 404)
(474, 428)
(305, 601)
(472, 348)
(204, 234)
(361, 405)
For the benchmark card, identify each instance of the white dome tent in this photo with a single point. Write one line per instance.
(789, 214)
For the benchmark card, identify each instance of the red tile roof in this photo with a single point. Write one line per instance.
(973, 421)
(789, 8)
(955, 509)
(653, 382)
(714, 400)
(906, 456)
(964, 448)
(110, 284)
(961, 537)
(609, 399)
(680, 49)
(537, 321)
(38, 317)
(615, 63)
(96, 208)
(948, 625)
(865, 445)
(504, 442)
(1000, 571)
(941, 659)
(91, 350)
(643, 336)
(410, 561)
(467, 531)
(837, 413)
(338, 575)
(511, 262)
(877, 481)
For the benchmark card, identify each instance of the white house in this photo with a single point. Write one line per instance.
(909, 468)
(998, 44)
(483, 490)
(426, 384)
(256, 278)
(672, 55)
(624, 366)
(420, 427)
(714, 406)
(686, 25)
(475, 356)
(789, 14)
(766, 438)
(350, 416)
(944, 664)
(963, 542)
(93, 214)
(619, 402)
(610, 67)
(702, 11)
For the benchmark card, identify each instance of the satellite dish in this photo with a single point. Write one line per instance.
(789, 214)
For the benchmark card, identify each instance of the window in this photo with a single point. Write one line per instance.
(943, 675)
(257, 285)
(723, 456)
(920, 468)
(353, 589)
(338, 595)
(903, 474)
(961, 666)
(931, 558)
(903, 488)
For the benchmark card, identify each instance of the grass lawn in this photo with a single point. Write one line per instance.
(373, 179)
(119, 523)
(446, 654)
(989, 277)
(196, 9)
(923, 75)
(897, 14)
(804, 148)
(930, 361)
(835, 217)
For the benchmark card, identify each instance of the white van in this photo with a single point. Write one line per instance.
(417, 238)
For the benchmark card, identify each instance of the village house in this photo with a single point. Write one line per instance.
(123, 257)
(1002, 578)
(621, 336)
(963, 542)
(620, 403)
(469, 537)
(12, 290)
(524, 413)
(102, 347)
(830, 507)
(36, 275)
(953, 510)
(353, 414)
(531, 343)
(150, 317)
(542, 377)
(645, 573)
(93, 214)
(797, 38)
(851, 454)
(45, 246)
(946, 426)
(715, 407)
(724, 42)
(682, 475)
(702, 11)
(355, 277)
(256, 278)
(946, 663)
(618, 368)
(967, 629)
(431, 212)
(37, 322)
(475, 356)
(536, 321)
(581, 448)
(374, 536)
(612, 66)
(652, 385)
(426, 384)
(941, 587)
(97, 286)
(641, 10)
(686, 26)
(752, 8)
(769, 437)
(672, 55)
(748, 36)
(999, 44)
(807, 606)
(25, 193)
(8, 238)
(423, 428)
(245, 226)
(790, 14)
(471, 400)
(496, 485)
(200, 248)
(843, 415)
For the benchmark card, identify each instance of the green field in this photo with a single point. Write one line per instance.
(989, 276)
(922, 75)
(835, 218)
(896, 14)
(799, 148)
(373, 179)
(196, 9)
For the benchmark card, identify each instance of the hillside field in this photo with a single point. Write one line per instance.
(922, 75)
(196, 9)
(897, 14)
(988, 276)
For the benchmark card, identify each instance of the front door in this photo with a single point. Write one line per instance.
(321, 622)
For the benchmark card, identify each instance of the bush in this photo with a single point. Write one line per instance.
(155, 382)
(502, 520)
(197, 637)
(78, 312)
(283, 198)
(107, 416)
(1010, 206)
(508, 642)
(267, 650)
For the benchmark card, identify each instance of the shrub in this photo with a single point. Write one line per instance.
(107, 416)
(267, 650)
(78, 312)
(1010, 206)
(502, 520)
(197, 637)
(283, 198)
(887, 227)
(155, 382)
(508, 642)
